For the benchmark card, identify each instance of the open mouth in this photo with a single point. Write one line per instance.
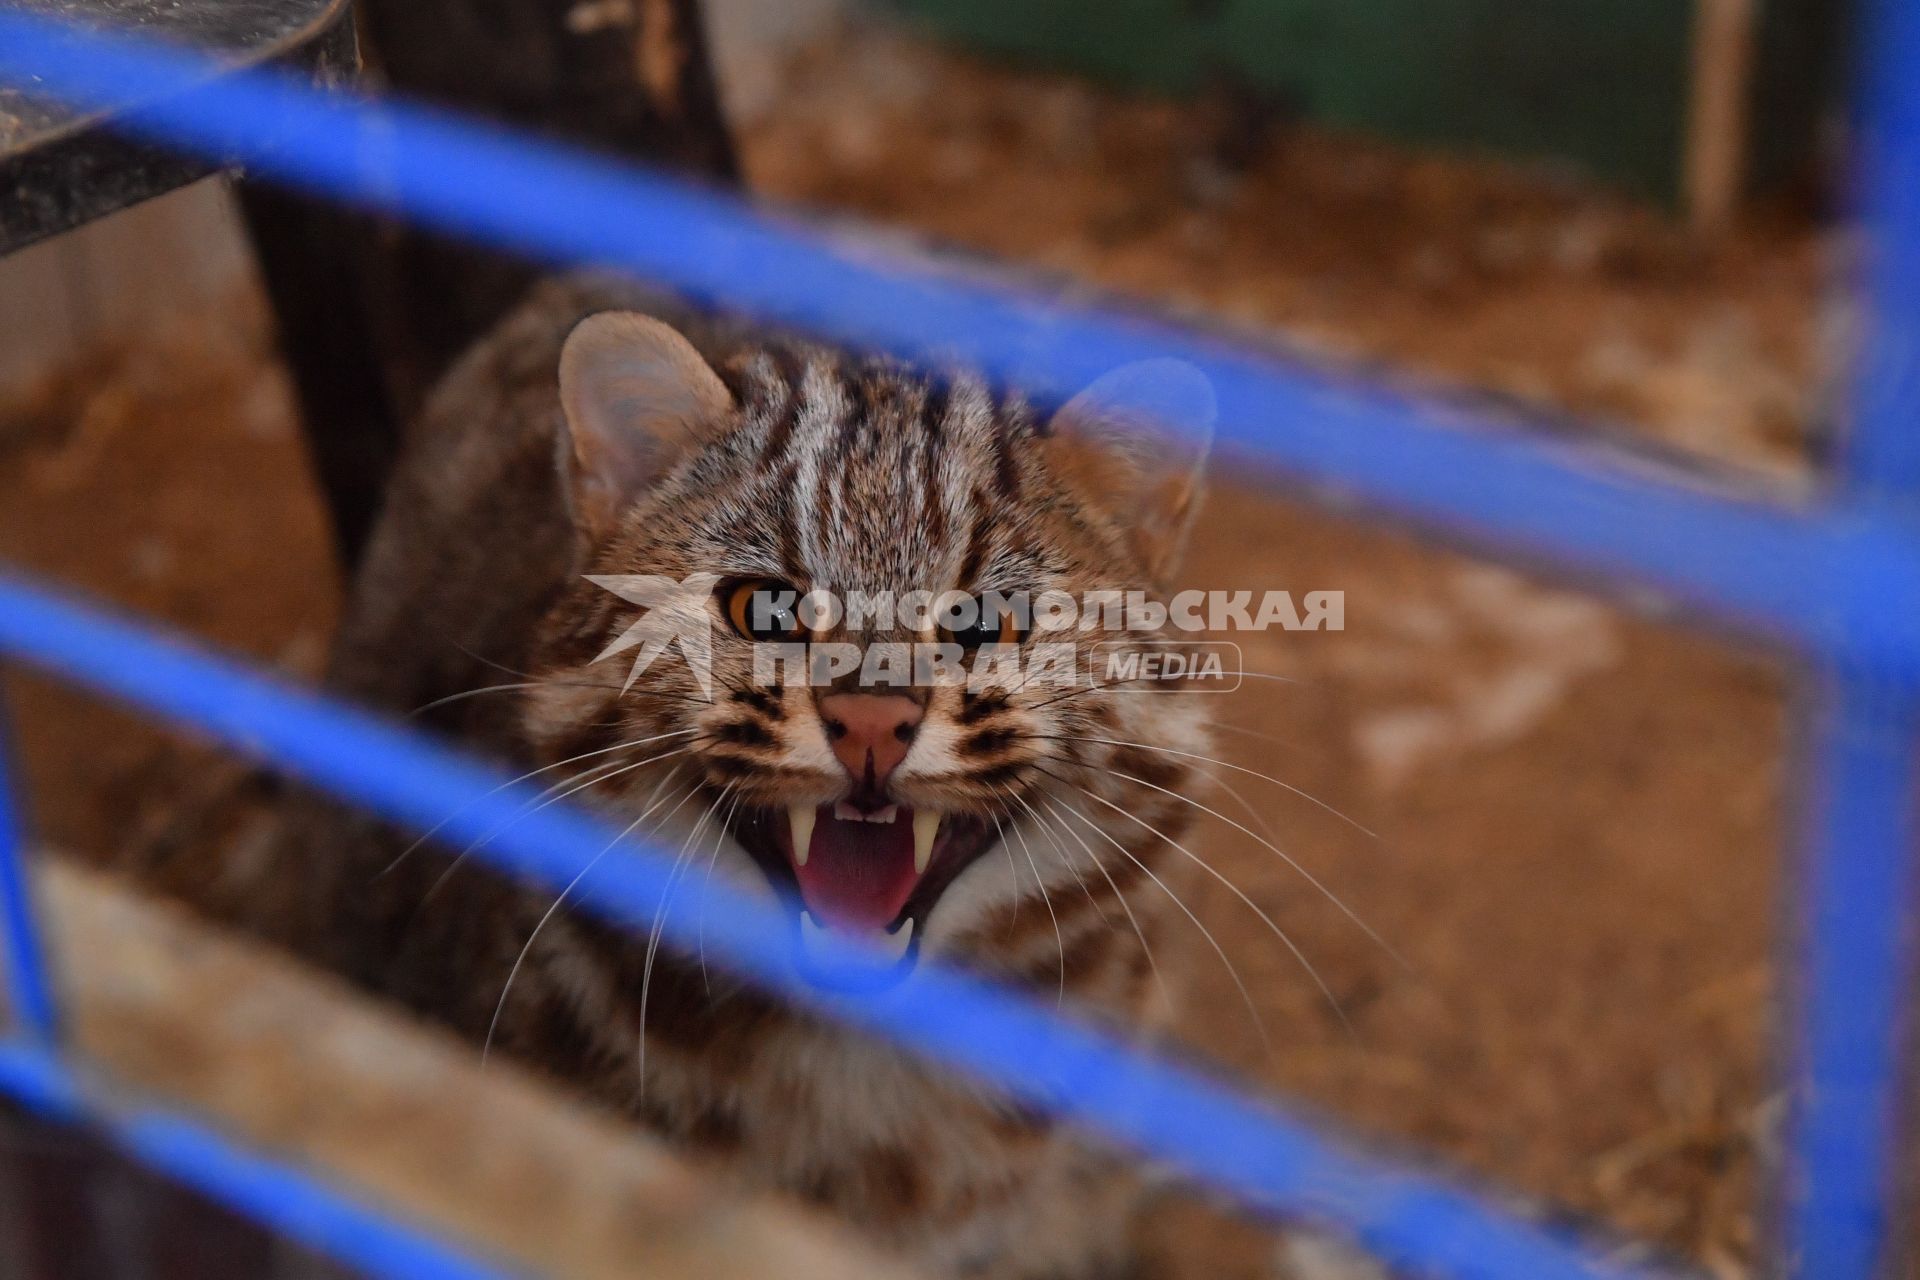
(872, 877)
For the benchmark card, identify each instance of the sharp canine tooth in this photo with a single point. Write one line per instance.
(895, 944)
(926, 825)
(892, 947)
(800, 819)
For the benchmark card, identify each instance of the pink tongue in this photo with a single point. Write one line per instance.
(858, 874)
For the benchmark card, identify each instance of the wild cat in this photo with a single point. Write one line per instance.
(1028, 828)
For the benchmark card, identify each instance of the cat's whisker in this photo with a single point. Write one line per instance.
(511, 782)
(1153, 964)
(628, 690)
(552, 794)
(602, 773)
(1225, 764)
(660, 916)
(1059, 939)
(1286, 941)
(1096, 686)
(498, 666)
(548, 679)
(653, 932)
(1214, 777)
(425, 707)
(664, 695)
(1305, 874)
(1081, 690)
(1240, 799)
(1013, 869)
(1233, 971)
(719, 841)
(500, 1006)
(1066, 859)
(1271, 739)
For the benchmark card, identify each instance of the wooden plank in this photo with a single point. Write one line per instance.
(1717, 120)
(62, 165)
(301, 1064)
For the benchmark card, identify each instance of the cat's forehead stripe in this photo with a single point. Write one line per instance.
(864, 472)
(779, 376)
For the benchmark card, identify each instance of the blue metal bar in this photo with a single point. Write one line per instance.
(297, 1206)
(1858, 913)
(1843, 581)
(1824, 580)
(1883, 444)
(29, 984)
(1855, 1001)
(1271, 1161)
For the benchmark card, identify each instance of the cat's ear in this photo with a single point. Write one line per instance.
(1140, 437)
(637, 397)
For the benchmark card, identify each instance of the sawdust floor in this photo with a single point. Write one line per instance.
(1576, 813)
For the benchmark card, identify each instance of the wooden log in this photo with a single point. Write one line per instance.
(1718, 144)
(372, 314)
(300, 1064)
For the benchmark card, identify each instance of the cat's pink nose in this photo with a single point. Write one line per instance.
(870, 732)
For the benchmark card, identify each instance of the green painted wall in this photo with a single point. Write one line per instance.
(1600, 83)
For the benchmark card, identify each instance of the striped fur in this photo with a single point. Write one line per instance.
(836, 471)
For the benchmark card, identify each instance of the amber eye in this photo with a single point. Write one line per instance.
(764, 609)
(973, 621)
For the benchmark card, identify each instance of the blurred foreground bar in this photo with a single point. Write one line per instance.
(61, 166)
(407, 1119)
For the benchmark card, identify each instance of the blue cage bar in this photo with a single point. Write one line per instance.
(1834, 581)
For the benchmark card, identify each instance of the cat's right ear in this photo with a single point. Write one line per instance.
(1139, 438)
(637, 398)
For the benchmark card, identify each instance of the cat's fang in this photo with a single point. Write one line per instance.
(895, 944)
(892, 946)
(800, 820)
(926, 828)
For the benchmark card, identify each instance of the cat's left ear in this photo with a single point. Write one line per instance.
(1148, 427)
(637, 398)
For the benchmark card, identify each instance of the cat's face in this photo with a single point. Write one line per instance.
(927, 775)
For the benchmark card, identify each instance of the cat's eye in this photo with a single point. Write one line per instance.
(764, 609)
(980, 620)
